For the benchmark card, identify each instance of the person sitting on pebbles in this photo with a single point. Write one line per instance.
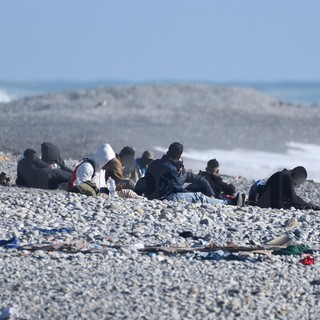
(92, 169)
(114, 170)
(52, 155)
(126, 157)
(222, 190)
(143, 163)
(193, 182)
(163, 181)
(124, 186)
(279, 191)
(35, 173)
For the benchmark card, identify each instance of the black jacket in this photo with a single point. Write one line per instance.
(279, 193)
(162, 179)
(35, 173)
(219, 187)
(32, 172)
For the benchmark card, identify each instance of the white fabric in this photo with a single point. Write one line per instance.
(103, 155)
(85, 171)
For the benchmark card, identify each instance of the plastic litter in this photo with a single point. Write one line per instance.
(188, 234)
(293, 250)
(308, 261)
(54, 231)
(111, 185)
(12, 243)
(218, 255)
(9, 313)
(152, 254)
(136, 246)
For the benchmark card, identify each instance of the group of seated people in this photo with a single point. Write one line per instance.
(164, 179)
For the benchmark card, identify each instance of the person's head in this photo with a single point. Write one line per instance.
(180, 166)
(127, 151)
(49, 152)
(29, 153)
(146, 158)
(126, 156)
(175, 151)
(299, 175)
(103, 155)
(213, 166)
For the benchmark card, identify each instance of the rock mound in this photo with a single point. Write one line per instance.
(201, 116)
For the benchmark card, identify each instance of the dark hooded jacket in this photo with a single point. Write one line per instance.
(32, 171)
(52, 155)
(279, 193)
(35, 173)
(162, 179)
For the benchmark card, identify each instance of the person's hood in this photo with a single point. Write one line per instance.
(49, 152)
(103, 155)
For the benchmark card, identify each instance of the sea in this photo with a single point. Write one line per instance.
(262, 164)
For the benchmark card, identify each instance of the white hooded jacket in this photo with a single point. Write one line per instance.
(85, 171)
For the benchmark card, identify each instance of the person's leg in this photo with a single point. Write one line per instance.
(193, 197)
(197, 186)
(204, 199)
(57, 176)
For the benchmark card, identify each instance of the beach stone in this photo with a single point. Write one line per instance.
(304, 218)
(76, 283)
(292, 223)
(204, 222)
(166, 215)
(139, 209)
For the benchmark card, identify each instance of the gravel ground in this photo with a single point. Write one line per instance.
(118, 282)
(106, 277)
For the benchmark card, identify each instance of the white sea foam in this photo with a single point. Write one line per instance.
(256, 164)
(4, 96)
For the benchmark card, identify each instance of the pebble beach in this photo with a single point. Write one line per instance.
(68, 256)
(92, 266)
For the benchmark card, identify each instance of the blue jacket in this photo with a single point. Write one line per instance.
(141, 168)
(162, 179)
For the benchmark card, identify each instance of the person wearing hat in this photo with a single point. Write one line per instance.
(52, 155)
(279, 192)
(222, 190)
(163, 181)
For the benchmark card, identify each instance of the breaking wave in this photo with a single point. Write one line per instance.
(4, 96)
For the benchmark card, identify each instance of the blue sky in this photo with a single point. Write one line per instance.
(143, 40)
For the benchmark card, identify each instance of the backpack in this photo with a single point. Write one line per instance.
(87, 188)
(255, 191)
(74, 173)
